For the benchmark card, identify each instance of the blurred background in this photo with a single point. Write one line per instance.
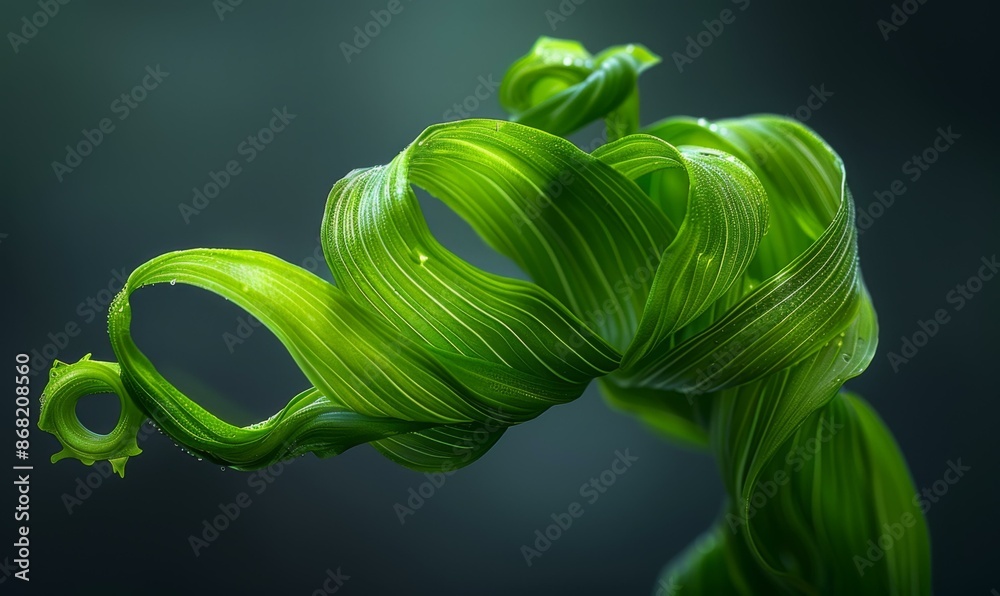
(214, 72)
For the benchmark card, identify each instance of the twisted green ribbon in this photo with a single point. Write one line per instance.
(706, 273)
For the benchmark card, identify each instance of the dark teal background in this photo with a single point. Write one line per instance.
(120, 207)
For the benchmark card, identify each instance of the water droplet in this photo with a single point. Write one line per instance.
(846, 357)
(567, 61)
(419, 257)
(173, 282)
(223, 468)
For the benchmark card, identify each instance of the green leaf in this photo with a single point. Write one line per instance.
(559, 87)
(706, 273)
